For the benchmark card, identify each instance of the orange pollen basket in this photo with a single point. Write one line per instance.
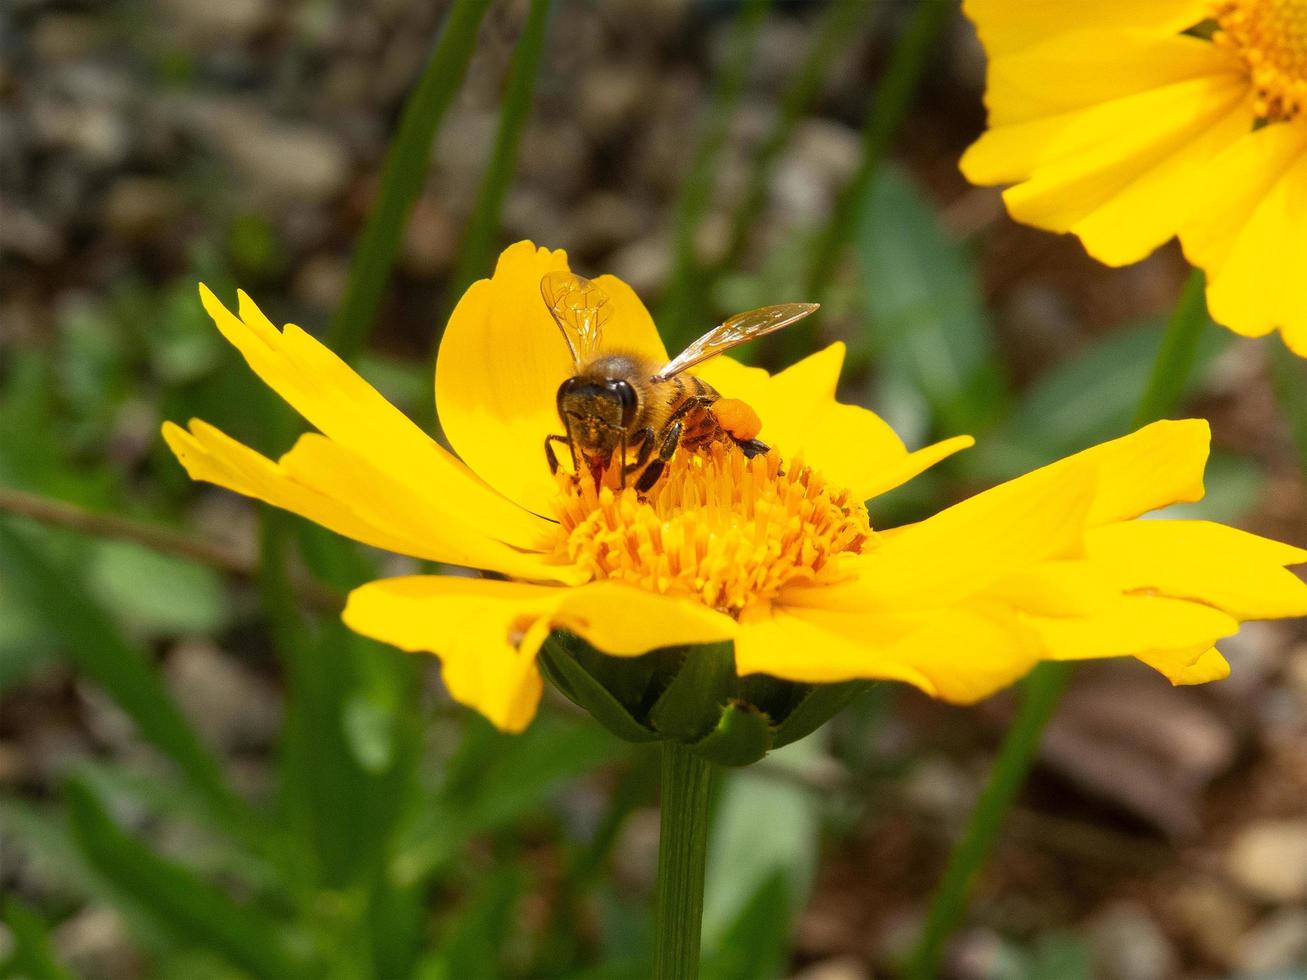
(1270, 36)
(722, 528)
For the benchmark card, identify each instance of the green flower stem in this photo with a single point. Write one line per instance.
(1175, 358)
(1043, 689)
(402, 177)
(682, 853)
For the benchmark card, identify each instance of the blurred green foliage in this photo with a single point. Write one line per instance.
(399, 837)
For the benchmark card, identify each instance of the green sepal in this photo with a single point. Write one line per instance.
(581, 688)
(691, 695)
(691, 705)
(823, 702)
(743, 736)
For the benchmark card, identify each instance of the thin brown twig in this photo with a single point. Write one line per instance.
(60, 513)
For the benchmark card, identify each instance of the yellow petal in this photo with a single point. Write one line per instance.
(501, 361)
(1235, 571)
(1091, 67)
(1252, 238)
(344, 407)
(789, 402)
(959, 654)
(1183, 667)
(1057, 588)
(963, 550)
(1158, 465)
(480, 629)
(909, 465)
(334, 487)
(1131, 625)
(487, 632)
(622, 620)
(1010, 25)
(1122, 175)
(847, 444)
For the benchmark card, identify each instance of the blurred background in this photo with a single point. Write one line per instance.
(202, 774)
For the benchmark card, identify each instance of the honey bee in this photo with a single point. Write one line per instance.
(618, 402)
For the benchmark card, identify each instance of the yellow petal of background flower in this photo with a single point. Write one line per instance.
(1181, 666)
(344, 407)
(333, 486)
(1238, 572)
(1122, 175)
(1010, 25)
(1091, 66)
(480, 630)
(1251, 238)
(501, 361)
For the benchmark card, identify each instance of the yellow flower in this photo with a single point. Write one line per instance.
(775, 554)
(1127, 122)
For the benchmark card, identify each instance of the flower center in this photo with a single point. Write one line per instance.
(1271, 38)
(717, 526)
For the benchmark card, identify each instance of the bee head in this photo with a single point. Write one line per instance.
(596, 411)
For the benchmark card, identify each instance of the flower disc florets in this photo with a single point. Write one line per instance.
(728, 530)
(1271, 38)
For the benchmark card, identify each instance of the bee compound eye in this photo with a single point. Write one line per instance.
(564, 390)
(626, 394)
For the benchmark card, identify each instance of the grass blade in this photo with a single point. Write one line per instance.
(190, 909)
(402, 177)
(684, 291)
(476, 253)
(889, 106)
(33, 953)
(840, 27)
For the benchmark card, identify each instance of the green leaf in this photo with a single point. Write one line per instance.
(33, 953)
(495, 780)
(928, 321)
(746, 853)
(156, 593)
(756, 943)
(472, 944)
(403, 175)
(182, 904)
(97, 648)
(1086, 399)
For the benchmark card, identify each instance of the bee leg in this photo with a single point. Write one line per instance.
(646, 439)
(671, 439)
(550, 458)
(751, 447)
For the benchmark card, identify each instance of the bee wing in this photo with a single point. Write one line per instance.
(735, 331)
(580, 308)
